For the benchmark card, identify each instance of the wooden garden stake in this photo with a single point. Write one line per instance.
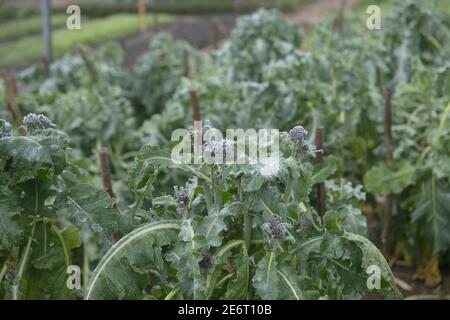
(46, 65)
(389, 157)
(195, 106)
(116, 236)
(13, 84)
(337, 24)
(106, 173)
(11, 92)
(142, 16)
(215, 34)
(155, 22)
(89, 65)
(236, 7)
(321, 208)
(198, 130)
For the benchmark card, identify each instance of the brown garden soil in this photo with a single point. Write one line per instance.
(417, 289)
(197, 30)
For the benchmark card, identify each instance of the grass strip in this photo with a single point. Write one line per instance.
(93, 31)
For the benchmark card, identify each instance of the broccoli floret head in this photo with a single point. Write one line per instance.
(33, 121)
(277, 229)
(298, 134)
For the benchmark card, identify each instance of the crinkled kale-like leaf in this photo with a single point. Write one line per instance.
(25, 156)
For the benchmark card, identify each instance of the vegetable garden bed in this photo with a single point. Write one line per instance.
(88, 178)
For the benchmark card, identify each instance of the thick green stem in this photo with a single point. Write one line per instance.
(118, 162)
(86, 269)
(248, 221)
(289, 186)
(208, 197)
(139, 198)
(211, 282)
(442, 122)
(217, 188)
(3, 271)
(288, 191)
(134, 209)
(213, 183)
(44, 225)
(22, 264)
(67, 253)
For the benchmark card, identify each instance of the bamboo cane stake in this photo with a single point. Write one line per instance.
(142, 16)
(11, 93)
(89, 65)
(321, 206)
(198, 130)
(106, 172)
(195, 106)
(215, 34)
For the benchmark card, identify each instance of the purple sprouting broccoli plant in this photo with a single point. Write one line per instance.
(298, 134)
(33, 121)
(277, 228)
(207, 261)
(182, 197)
(304, 224)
